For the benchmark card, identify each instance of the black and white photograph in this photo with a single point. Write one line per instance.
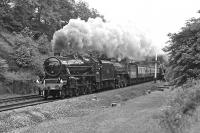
(99, 66)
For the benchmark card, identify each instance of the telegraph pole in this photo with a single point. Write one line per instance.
(155, 75)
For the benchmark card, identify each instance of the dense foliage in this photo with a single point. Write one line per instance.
(23, 56)
(44, 46)
(42, 16)
(182, 110)
(184, 52)
(33, 23)
(30, 54)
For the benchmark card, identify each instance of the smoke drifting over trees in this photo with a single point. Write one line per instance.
(105, 37)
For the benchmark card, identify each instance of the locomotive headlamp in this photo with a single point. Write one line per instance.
(61, 81)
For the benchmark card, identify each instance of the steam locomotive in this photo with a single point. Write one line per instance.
(75, 75)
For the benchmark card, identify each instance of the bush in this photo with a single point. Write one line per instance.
(43, 44)
(37, 66)
(27, 54)
(25, 41)
(23, 56)
(178, 116)
(26, 32)
(31, 59)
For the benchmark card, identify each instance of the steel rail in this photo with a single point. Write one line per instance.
(18, 98)
(23, 104)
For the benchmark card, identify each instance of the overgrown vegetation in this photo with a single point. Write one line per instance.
(184, 72)
(44, 46)
(181, 110)
(42, 16)
(184, 52)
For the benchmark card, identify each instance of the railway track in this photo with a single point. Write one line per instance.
(31, 100)
(19, 102)
(5, 100)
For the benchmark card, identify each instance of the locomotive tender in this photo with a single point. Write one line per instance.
(77, 75)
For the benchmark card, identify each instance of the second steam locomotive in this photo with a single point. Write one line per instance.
(75, 75)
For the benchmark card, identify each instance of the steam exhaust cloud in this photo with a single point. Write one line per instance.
(113, 40)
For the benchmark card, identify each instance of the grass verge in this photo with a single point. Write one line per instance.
(181, 112)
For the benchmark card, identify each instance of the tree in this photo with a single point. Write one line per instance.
(7, 18)
(42, 16)
(84, 12)
(43, 45)
(23, 56)
(184, 52)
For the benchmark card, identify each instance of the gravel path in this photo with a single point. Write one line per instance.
(90, 113)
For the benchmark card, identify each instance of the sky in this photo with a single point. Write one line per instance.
(156, 17)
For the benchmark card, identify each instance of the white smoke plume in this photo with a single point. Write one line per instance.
(114, 40)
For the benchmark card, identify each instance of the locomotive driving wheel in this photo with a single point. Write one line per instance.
(70, 92)
(116, 85)
(89, 89)
(76, 91)
(112, 84)
(63, 94)
(54, 95)
(84, 90)
(46, 94)
(124, 83)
